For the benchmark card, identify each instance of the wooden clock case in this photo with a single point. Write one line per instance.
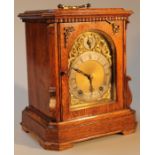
(49, 38)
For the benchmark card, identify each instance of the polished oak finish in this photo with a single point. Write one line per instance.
(50, 35)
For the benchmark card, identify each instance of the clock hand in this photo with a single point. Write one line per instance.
(91, 85)
(87, 75)
(81, 72)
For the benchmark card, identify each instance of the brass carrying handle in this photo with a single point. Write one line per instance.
(61, 6)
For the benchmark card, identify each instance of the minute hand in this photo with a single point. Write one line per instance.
(91, 84)
(81, 72)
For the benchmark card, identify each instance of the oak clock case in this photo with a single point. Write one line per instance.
(78, 87)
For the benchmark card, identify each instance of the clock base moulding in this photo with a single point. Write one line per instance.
(63, 135)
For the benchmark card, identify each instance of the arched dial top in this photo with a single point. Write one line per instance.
(89, 66)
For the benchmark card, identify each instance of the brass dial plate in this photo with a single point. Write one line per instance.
(90, 69)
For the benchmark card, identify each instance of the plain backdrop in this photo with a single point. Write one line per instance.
(24, 143)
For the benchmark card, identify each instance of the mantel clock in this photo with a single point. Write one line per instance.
(77, 82)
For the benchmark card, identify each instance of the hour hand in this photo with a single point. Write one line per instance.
(81, 72)
(91, 85)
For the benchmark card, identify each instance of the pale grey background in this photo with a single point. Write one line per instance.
(111, 145)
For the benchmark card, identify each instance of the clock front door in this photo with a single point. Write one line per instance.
(91, 65)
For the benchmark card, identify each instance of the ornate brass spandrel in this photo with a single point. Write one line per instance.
(67, 32)
(115, 27)
(79, 47)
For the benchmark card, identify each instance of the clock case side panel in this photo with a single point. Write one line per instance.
(41, 76)
(54, 50)
(78, 29)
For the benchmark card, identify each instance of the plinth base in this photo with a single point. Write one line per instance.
(62, 135)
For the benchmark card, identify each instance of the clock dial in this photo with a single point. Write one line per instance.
(90, 70)
(89, 76)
